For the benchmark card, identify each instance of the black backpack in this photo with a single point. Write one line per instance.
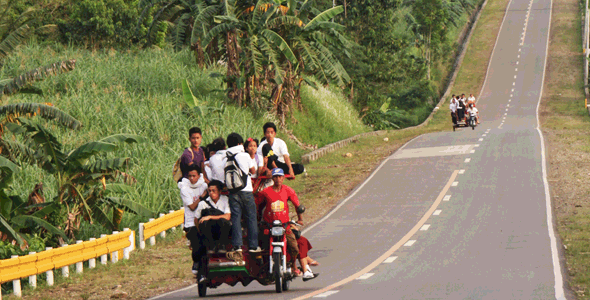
(235, 177)
(211, 210)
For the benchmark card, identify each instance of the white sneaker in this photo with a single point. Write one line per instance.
(308, 276)
(309, 269)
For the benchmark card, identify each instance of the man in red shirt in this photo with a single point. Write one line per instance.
(274, 200)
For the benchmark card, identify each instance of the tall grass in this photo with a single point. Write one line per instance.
(140, 92)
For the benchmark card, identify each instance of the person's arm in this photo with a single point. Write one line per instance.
(187, 199)
(295, 200)
(288, 162)
(205, 176)
(224, 216)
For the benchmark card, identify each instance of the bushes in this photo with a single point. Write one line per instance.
(101, 22)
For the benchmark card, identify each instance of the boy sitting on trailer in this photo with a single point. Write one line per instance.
(213, 216)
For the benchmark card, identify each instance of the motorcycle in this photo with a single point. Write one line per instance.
(267, 267)
(472, 122)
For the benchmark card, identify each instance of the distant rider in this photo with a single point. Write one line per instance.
(473, 112)
(453, 108)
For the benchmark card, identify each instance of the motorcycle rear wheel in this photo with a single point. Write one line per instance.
(276, 271)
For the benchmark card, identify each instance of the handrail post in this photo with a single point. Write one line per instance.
(141, 238)
(79, 265)
(163, 233)
(65, 271)
(115, 254)
(49, 274)
(127, 250)
(152, 238)
(16, 284)
(33, 278)
(173, 228)
(92, 261)
(103, 258)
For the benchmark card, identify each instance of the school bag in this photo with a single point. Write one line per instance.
(235, 177)
(176, 171)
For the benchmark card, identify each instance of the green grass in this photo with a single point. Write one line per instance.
(139, 92)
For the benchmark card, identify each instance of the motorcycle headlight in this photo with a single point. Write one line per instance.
(277, 231)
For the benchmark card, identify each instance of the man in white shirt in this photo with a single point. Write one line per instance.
(214, 216)
(217, 161)
(453, 108)
(241, 203)
(279, 148)
(192, 190)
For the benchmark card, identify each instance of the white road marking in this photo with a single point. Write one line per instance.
(326, 294)
(507, 105)
(455, 183)
(436, 212)
(484, 134)
(517, 61)
(507, 109)
(480, 139)
(505, 113)
(467, 160)
(509, 100)
(447, 198)
(518, 57)
(425, 227)
(476, 145)
(365, 276)
(410, 242)
(461, 172)
(512, 90)
(389, 259)
(519, 49)
(514, 83)
(472, 151)
(514, 76)
(510, 95)
(515, 69)
(558, 287)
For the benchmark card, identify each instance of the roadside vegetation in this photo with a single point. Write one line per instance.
(566, 126)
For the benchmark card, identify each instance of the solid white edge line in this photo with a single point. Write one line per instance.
(559, 290)
(175, 291)
(358, 189)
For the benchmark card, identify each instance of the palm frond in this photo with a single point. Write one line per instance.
(14, 111)
(25, 80)
(129, 206)
(123, 138)
(107, 165)
(281, 44)
(325, 16)
(14, 39)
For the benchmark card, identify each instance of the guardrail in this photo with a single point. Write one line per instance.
(118, 244)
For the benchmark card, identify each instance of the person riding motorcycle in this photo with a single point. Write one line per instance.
(274, 201)
(473, 112)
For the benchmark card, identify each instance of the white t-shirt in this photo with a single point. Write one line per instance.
(245, 162)
(453, 106)
(189, 193)
(222, 204)
(472, 111)
(207, 170)
(217, 165)
(471, 99)
(279, 148)
(258, 163)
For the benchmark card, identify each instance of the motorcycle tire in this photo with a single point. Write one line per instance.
(276, 271)
(286, 284)
(202, 290)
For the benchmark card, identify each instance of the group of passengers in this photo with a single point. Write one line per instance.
(463, 108)
(214, 210)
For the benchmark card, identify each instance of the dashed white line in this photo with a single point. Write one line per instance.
(409, 243)
(437, 212)
(476, 145)
(425, 227)
(505, 113)
(512, 90)
(461, 172)
(455, 183)
(365, 276)
(514, 76)
(467, 160)
(515, 69)
(326, 294)
(518, 57)
(507, 105)
(519, 49)
(390, 259)
(480, 139)
(509, 100)
(484, 134)
(514, 83)
(507, 109)
(472, 151)
(447, 198)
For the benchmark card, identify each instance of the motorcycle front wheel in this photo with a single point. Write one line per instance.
(276, 271)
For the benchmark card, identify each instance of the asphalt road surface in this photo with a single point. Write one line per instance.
(452, 215)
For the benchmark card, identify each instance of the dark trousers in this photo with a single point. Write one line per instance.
(460, 114)
(297, 168)
(242, 204)
(193, 235)
(454, 118)
(216, 232)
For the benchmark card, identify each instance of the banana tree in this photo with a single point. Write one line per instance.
(24, 82)
(87, 183)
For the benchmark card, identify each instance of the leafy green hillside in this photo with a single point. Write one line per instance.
(140, 92)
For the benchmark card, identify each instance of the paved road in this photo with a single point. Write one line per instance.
(452, 215)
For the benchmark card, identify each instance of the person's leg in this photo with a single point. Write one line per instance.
(207, 231)
(224, 228)
(251, 220)
(292, 247)
(236, 219)
(297, 168)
